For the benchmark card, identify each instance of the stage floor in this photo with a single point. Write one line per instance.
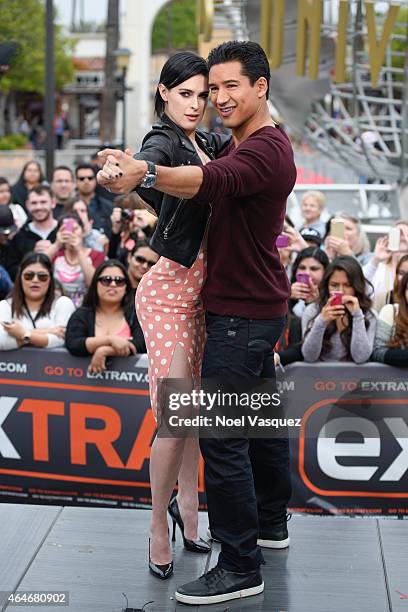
(97, 554)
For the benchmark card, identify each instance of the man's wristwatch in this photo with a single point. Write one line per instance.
(150, 176)
(26, 338)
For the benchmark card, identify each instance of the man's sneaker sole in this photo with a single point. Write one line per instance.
(211, 599)
(263, 543)
(274, 543)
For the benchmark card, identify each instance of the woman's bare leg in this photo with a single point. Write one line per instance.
(169, 458)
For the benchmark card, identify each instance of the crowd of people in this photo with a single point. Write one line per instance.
(346, 300)
(347, 303)
(71, 259)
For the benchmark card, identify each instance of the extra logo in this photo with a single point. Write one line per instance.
(356, 448)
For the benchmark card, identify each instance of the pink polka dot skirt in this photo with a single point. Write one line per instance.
(170, 312)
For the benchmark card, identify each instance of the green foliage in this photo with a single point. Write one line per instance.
(23, 21)
(13, 141)
(400, 46)
(175, 26)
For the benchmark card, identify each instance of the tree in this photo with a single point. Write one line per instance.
(175, 26)
(108, 107)
(23, 21)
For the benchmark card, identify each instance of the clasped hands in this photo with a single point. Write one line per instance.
(120, 173)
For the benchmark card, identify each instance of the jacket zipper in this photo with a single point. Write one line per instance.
(173, 218)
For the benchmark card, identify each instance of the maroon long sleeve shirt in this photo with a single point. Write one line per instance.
(248, 187)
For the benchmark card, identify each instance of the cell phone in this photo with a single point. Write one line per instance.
(7, 322)
(336, 298)
(303, 277)
(337, 228)
(69, 225)
(282, 241)
(394, 239)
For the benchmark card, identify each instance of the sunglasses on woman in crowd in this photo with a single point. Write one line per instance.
(107, 281)
(42, 276)
(142, 260)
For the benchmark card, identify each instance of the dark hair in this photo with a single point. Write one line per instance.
(314, 252)
(4, 181)
(39, 190)
(91, 299)
(356, 278)
(400, 337)
(142, 242)
(403, 259)
(18, 303)
(250, 55)
(21, 177)
(70, 215)
(69, 206)
(85, 166)
(179, 68)
(66, 168)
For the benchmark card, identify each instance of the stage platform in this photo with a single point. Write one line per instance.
(333, 564)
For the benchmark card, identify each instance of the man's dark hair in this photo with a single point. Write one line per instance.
(85, 166)
(250, 55)
(66, 168)
(179, 68)
(39, 190)
(4, 181)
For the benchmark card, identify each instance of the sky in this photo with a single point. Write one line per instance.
(95, 10)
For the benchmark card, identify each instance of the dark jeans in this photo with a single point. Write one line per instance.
(247, 480)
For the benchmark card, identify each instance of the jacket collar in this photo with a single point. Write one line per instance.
(184, 139)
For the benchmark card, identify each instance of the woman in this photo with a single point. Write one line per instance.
(391, 339)
(168, 299)
(93, 238)
(106, 324)
(19, 214)
(312, 205)
(341, 326)
(31, 176)
(74, 263)
(309, 265)
(139, 261)
(307, 275)
(381, 269)
(33, 315)
(355, 242)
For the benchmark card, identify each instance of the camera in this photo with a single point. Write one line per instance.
(127, 214)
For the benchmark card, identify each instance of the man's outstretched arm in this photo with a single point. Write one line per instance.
(121, 174)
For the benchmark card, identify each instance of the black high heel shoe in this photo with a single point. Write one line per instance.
(198, 546)
(160, 571)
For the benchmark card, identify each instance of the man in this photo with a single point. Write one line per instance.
(36, 234)
(245, 297)
(99, 208)
(62, 185)
(139, 261)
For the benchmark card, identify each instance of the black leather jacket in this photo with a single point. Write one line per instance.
(181, 223)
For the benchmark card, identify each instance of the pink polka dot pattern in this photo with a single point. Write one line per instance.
(170, 312)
